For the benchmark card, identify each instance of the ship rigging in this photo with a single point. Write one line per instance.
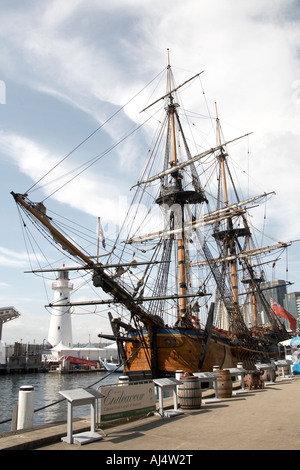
(182, 269)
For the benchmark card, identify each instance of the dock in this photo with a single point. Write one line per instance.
(23, 365)
(259, 419)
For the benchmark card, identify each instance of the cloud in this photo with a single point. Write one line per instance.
(92, 57)
(3, 285)
(10, 258)
(248, 52)
(114, 52)
(98, 196)
(76, 42)
(31, 158)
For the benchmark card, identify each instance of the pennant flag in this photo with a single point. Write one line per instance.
(101, 233)
(283, 313)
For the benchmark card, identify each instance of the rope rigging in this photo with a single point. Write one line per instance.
(150, 271)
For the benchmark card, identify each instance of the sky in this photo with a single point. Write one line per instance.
(66, 67)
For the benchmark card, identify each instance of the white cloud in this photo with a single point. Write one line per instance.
(32, 159)
(77, 53)
(244, 48)
(3, 285)
(94, 56)
(10, 258)
(97, 196)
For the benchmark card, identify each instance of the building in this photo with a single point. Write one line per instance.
(292, 304)
(277, 291)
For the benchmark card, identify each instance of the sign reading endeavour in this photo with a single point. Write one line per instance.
(128, 400)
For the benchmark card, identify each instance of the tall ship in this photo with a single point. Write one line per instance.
(184, 268)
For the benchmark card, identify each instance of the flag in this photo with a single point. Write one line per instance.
(101, 233)
(283, 313)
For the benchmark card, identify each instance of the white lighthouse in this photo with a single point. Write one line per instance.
(60, 329)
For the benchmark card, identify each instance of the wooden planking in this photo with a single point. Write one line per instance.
(182, 352)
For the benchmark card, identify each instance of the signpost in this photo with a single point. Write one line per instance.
(78, 397)
(127, 400)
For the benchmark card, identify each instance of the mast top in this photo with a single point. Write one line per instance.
(168, 52)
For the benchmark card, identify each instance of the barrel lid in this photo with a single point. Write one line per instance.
(26, 388)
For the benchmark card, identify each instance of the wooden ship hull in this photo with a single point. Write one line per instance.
(180, 349)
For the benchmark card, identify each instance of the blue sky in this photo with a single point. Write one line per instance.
(67, 66)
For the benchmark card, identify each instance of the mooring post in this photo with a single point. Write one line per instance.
(25, 407)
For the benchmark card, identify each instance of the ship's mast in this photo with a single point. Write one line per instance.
(222, 158)
(230, 241)
(254, 305)
(228, 236)
(180, 241)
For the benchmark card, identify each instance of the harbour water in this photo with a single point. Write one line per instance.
(47, 387)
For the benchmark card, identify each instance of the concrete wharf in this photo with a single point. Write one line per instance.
(260, 419)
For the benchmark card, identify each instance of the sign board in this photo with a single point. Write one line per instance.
(81, 396)
(127, 400)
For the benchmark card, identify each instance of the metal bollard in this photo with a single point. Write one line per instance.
(178, 374)
(25, 407)
(123, 380)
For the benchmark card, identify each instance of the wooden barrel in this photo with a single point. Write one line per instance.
(190, 393)
(224, 384)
